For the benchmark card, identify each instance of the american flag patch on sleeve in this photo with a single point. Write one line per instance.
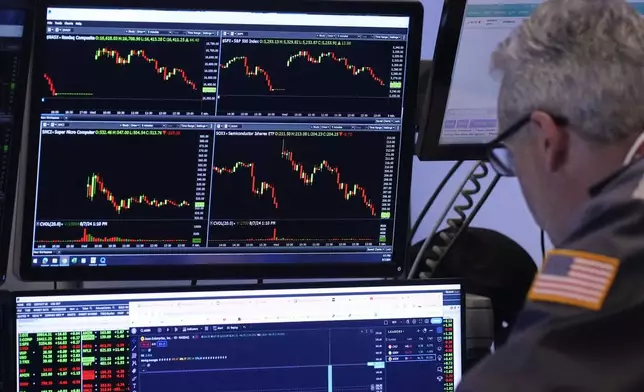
(574, 278)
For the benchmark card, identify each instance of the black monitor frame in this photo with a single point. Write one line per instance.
(8, 322)
(13, 160)
(428, 147)
(411, 8)
(425, 71)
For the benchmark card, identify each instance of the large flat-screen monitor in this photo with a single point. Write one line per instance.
(370, 337)
(15, 46)
(195, 144)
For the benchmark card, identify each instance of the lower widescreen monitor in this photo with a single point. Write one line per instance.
(348, 338)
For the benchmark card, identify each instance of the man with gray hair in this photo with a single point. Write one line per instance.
(571, 107)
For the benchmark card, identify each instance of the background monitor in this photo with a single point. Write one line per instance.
(462, 112)
(193, 144)
(373, 337)
(15, 46)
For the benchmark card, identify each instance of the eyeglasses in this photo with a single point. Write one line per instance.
(500, 156)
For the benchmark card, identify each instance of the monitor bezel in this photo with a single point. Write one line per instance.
(412, 9)
(10, 319)
(19, 122)
(428, 147)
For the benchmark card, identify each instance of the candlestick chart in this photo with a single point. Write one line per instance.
(98, 73)
(307, 78)
(297, 177)
(96, 186)
(118, 175)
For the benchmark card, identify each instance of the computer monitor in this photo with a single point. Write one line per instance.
(196, 144)
(463, 107)
(369, 337)
(422, 94)
(15, 46)
(462, 112)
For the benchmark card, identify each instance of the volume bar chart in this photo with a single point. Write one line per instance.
(320, 232)
(275, 237)
(118, 234)
(89, 238)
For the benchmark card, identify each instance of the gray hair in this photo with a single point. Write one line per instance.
(579, 59)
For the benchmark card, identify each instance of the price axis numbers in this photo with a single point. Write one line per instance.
(203, 175)
(201, 189)
(211, 70)
(397, 69)
(383, 235)
(388, 177)
(388, 186)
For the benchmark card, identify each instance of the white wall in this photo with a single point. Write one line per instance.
(505, 210)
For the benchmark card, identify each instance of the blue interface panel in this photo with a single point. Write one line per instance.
(398, 338)
(470, 115)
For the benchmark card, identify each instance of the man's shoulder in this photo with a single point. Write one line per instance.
(580, 327)
(581, 324)
(599, 268)
(616, 202)
(605, 250)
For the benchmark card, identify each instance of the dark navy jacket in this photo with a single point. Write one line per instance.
(558, 347)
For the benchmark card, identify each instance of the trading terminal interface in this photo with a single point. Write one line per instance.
(12, 23)
(359, 339)
(197, 137)
(470, 114)
(471, 111)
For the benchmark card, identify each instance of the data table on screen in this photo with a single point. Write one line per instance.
(322, 339)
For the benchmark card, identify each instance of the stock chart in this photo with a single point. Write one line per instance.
(296, 177)
(120, 186)
(308, 76)
(104, 75)
(81, 361)
(298, 187)
(111, 176)
(198, 75)
(149, 187)
(148, 172)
